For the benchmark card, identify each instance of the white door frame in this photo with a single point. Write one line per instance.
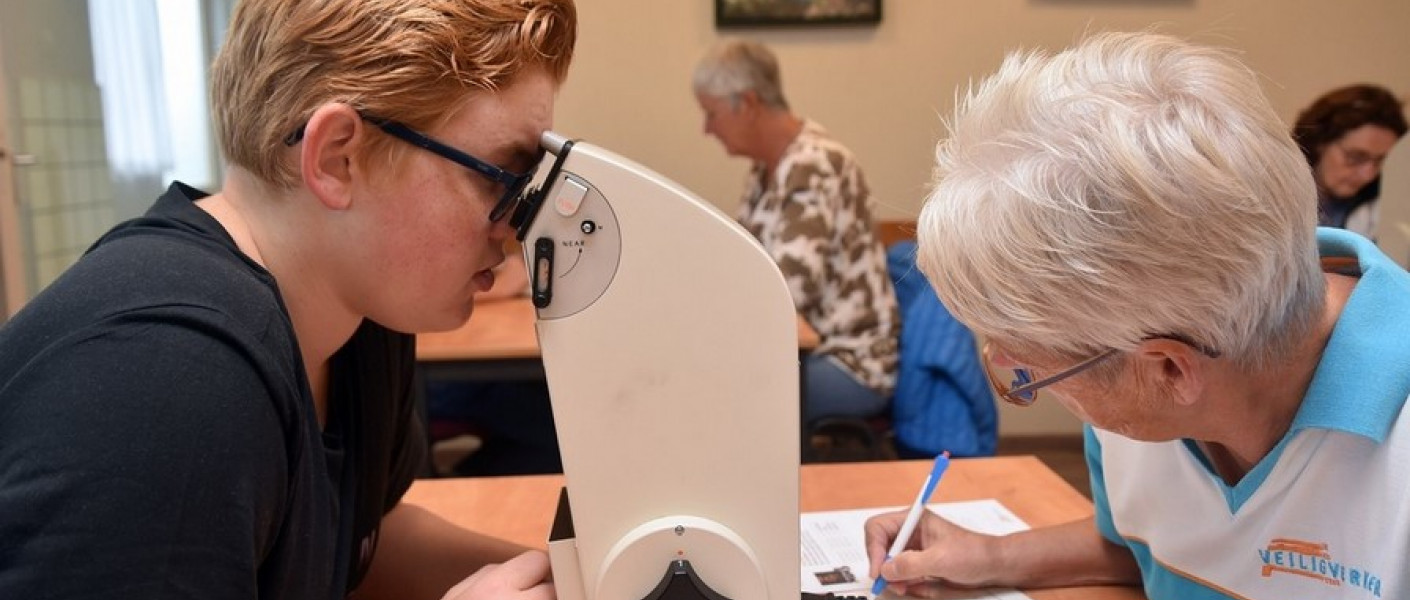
(12, 266)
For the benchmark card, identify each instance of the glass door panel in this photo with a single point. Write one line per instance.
(68, 174)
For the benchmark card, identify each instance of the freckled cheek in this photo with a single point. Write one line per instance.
(447, 217)
(442, 246)
(416, 241)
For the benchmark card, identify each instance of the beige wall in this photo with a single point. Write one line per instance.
(882, 89)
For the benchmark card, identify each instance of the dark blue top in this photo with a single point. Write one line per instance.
(942, 399)
(158, 437)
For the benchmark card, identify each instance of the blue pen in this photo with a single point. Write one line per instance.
(908, 526)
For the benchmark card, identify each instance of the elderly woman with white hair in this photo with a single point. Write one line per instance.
(1133, 231)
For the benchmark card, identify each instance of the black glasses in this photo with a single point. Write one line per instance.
(513, 184)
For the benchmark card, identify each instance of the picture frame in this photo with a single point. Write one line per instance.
(753, 13)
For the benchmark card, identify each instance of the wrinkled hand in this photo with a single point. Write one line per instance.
(524, 577)
(939, 552)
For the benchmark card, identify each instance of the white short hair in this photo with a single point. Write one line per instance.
(733, 67)
(1135, 185)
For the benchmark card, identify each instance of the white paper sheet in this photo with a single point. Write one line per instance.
(835, 555)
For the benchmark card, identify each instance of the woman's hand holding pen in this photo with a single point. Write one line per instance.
(938, 552)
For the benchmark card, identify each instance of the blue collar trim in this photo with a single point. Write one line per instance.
(1362, 381)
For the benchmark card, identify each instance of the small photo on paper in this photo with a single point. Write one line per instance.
(838, 576)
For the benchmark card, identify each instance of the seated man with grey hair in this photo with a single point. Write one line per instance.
(808, 204)
(1131, 228)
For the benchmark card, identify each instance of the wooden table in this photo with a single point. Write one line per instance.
(521, 508)
(499, 343)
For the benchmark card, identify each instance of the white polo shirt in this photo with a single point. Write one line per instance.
(1326, 514)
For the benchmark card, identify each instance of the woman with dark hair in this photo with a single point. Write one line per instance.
(1346, 135)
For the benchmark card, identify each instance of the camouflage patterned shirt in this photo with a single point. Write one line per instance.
(814, 217)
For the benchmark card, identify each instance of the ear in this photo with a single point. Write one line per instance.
(1176, 365)
(331, 138)
(748, 101)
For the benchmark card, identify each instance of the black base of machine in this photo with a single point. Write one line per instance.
(681, 583)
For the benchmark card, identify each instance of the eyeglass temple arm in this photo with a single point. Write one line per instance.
(1061, 375)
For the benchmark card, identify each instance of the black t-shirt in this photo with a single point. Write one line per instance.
(158, 437)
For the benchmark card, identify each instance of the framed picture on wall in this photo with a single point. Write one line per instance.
(730, 13)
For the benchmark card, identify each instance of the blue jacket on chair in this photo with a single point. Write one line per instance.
(942, 399)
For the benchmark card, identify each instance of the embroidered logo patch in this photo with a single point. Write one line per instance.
(1313, 560)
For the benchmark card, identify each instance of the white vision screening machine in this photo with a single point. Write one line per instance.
(670, 346)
